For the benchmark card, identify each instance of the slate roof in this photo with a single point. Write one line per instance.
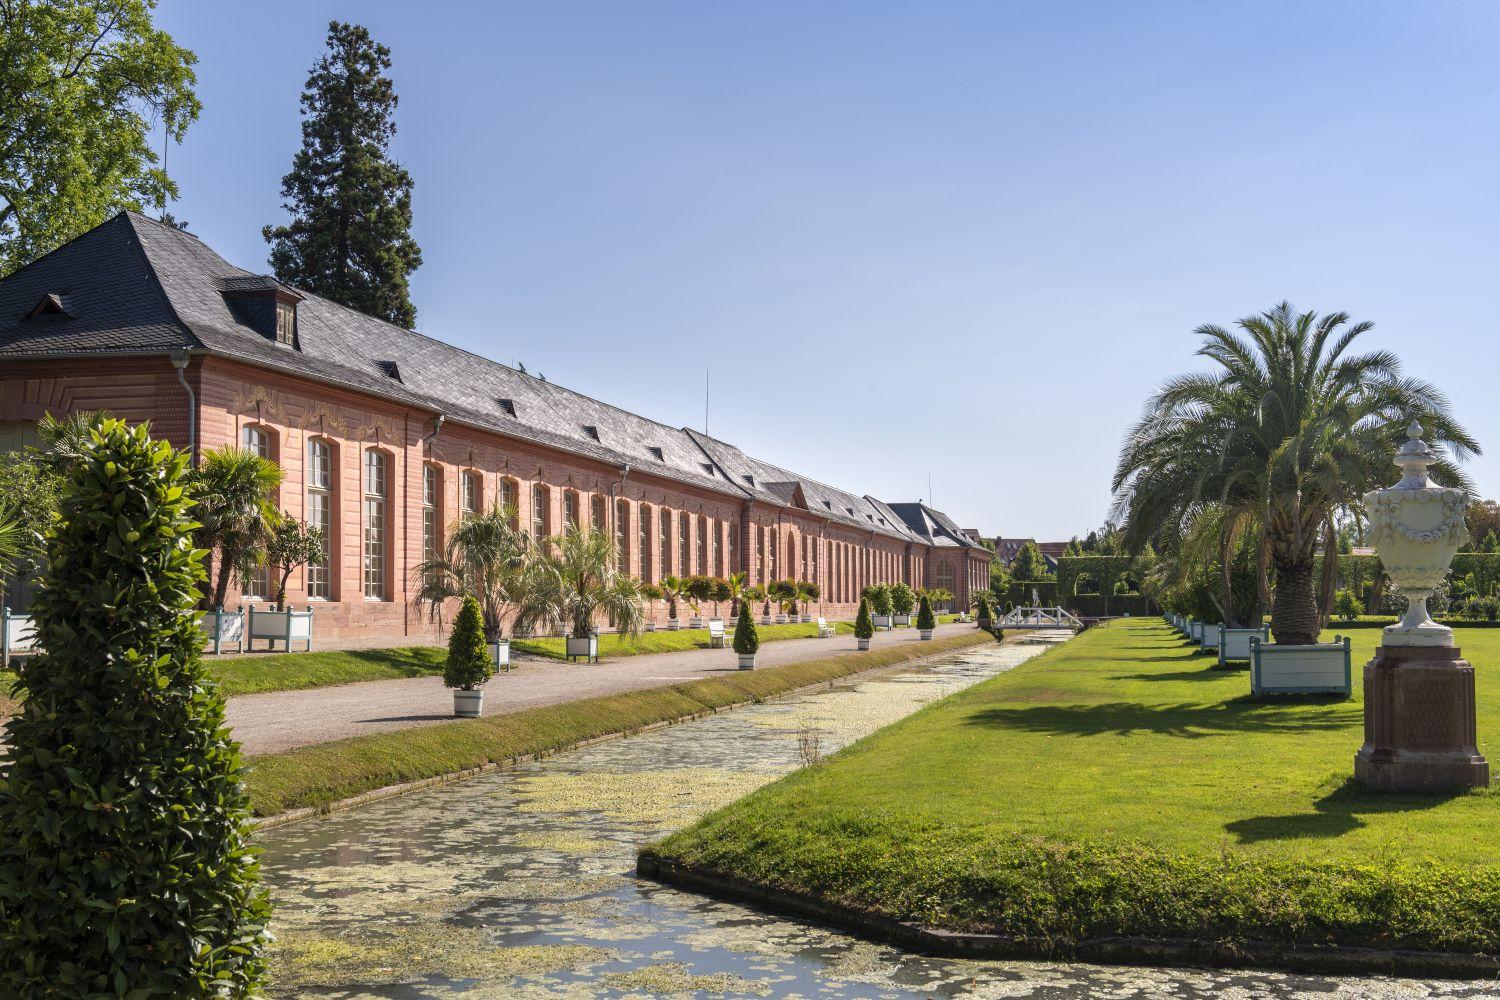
(136, 286)
(934, 527)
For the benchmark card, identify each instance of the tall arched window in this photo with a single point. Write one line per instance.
(471, 493)
(596, 513)
(705, 542)
(684, 545)
(432, 511)
(759, 574)
(510, 499)
(320, 515)
(666, 541)
(377, 485)
(258, 441)
(945, 577)
(540, 515)
(644, 535)
(570, 509)
(622, 535)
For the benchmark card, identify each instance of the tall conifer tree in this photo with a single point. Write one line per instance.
(350, 234)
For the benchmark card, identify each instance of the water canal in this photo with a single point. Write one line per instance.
(520, 884)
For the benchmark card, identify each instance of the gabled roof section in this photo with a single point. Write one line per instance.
(50, 304)
(933, 526)
(113, 303)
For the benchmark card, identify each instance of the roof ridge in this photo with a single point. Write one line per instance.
(130, 218)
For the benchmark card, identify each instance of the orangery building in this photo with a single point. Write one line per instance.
(385, 436)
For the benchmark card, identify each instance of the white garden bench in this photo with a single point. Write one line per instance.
(222, 628)
(1234, 643)
(275, 626)
(825, 630)
(1324, 668)
(17, 635)
(716, 633)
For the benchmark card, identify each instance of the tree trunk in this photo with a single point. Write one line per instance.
(226, 569)
(1294, 613)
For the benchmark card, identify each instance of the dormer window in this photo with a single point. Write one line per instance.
(286, 322)
(507, 406)
(263, 304)
(50, 307)
(750, 479)
(656, 453)
(591, 431)
(389, 369)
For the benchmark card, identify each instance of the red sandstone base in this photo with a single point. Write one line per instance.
(1419, 722)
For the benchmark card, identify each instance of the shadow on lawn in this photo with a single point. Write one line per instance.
(1337, 813)
(1188, 720)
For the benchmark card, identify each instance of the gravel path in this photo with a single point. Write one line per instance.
(282, 720)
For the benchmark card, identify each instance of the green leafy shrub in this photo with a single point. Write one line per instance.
(468, 665)
(863, 627)
(982, 610)
(903, 598)
(1347, 606)
(925, 620)
(746, 639)
(125, 860)
(879, 596)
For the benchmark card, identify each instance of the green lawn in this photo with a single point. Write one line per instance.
(253, 674)
(662, 641)
(1123, 784)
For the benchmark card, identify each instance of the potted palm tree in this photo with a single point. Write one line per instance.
(672, 588)
(573, 583)
(650, 593)
(736, 582)
(468, 663)
(903, 601)
(484, 557)
(864, 629)
(762, 594)
(236, 512)
(925, 621)
(809, 593)
(784, 593)
(746, 640)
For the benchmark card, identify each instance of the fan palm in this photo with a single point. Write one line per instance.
(487, 556)
(1286, 431)
(63, 439)
(236, 509)
(574, 580)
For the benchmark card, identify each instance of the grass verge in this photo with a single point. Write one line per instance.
(1123, 785)
(612, 646)
(299, 671)
(326, 772)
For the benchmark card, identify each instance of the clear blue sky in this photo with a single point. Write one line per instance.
(957, 239)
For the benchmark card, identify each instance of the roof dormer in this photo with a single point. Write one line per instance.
(265, 305)
(52, 306)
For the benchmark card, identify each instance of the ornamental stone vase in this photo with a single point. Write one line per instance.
(1419, 692)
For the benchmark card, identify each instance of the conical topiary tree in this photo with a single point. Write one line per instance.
(863, 627)
(925, 620)
(468, 664)
(125, 859)
(746, 639)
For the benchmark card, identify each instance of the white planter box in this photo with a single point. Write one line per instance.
(1321, 669)
(17, 634)
(279, 626)
(695, 622)
(500, 654)
(1195, 631)
(747, 661)
(468, 704)
(672, 625)
(1234, 643)
(585, 646)
(901, 619)
(807, 619)
(864, 644)
(881, 621)
(223, 628)
(765, 619)
(925, 633)
(781, 619)
(1209, 640)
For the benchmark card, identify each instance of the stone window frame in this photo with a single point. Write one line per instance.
(376, 508)
(541, 513)
(643, 531)
(321, 511)
(262, 440)
(622, 535)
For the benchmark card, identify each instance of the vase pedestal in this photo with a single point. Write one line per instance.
(1419, 722)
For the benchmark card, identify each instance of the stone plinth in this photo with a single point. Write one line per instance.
(1419, 722)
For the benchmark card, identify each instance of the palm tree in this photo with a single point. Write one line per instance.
(672, 588)
(484, 556)
(574, 580)
(736, 583)
(11, 546)
(237, 510)
(1288, 430)
(65, 438)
